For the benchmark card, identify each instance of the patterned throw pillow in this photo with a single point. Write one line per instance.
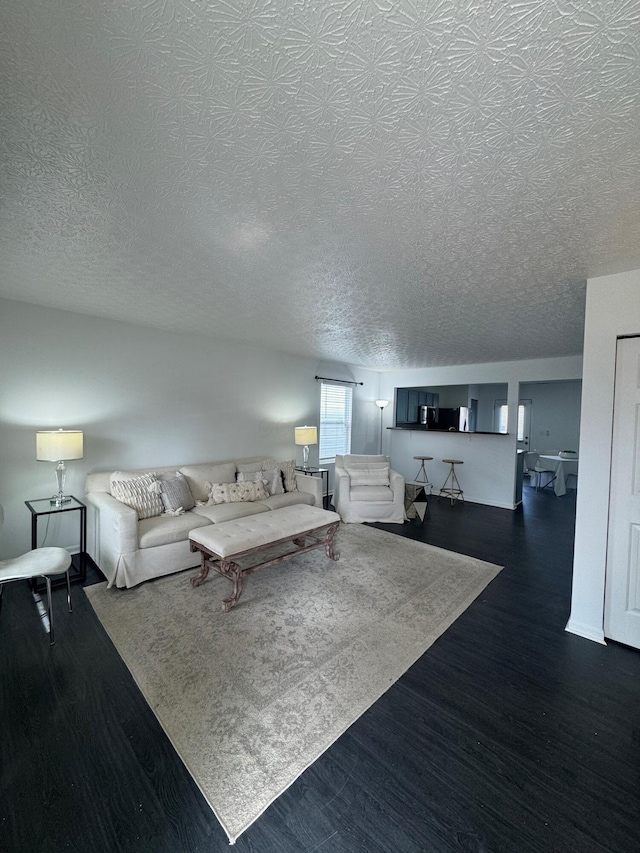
(138, 493)
(289, 473)
(176, 494)
(220, 493)
(272, 480)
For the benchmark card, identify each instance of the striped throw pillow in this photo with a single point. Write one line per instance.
(136, 494)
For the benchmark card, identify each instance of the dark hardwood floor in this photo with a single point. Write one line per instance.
(508, 735)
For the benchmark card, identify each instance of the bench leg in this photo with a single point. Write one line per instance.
(204, 571)
(232, 571)
(329, 544)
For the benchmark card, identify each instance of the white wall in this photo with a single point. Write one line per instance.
(613, 309)
(555, 415)
(489, 471)
(145, 397)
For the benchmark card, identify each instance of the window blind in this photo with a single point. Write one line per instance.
(335, 421)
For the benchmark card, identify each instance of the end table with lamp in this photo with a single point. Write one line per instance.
(44, 506)
(59, 446)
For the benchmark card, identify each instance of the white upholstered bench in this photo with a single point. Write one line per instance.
(220, 545)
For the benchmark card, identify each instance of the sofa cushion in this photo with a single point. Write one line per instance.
(222, 493)
(368, 474)
(371, 493)
(166, 529)
(288, 499)
(199, 475)
(135, 492)
(176, 494)
(227, 512)
(252, 467)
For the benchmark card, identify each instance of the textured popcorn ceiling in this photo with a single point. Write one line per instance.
(384, 182)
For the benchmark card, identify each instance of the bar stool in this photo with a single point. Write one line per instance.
(422, 476)
(451, 487)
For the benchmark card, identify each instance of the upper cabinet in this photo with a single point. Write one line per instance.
(458, 408)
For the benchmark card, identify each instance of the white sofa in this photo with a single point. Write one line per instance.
(376, 492)
(129, 551)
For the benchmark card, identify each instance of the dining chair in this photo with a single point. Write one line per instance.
(41, 562)
(540, 469)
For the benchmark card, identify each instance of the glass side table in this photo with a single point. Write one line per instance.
(311, 471)
(78, 568)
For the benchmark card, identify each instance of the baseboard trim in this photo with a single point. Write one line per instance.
(469, 500)
(580, 629)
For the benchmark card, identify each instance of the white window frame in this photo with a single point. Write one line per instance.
(336, 417)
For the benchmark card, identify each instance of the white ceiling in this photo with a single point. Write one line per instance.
(390, 183)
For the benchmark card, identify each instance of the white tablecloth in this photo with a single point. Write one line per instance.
(559, 466)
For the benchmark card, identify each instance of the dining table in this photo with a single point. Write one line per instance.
(561, 467)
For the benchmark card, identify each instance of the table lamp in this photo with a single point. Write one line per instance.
(58, 446)
(306, 435)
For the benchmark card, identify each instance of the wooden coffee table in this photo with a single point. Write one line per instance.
(222, 545)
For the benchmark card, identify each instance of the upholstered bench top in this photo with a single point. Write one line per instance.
(242, 534)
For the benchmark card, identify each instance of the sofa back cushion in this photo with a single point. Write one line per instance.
(198, 476)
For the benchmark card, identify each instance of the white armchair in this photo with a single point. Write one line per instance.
(367, 489)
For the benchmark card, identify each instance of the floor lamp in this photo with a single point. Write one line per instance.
(381, 404)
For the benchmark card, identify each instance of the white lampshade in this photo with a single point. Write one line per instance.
(306, 435)
(53, 445)
(382, 403)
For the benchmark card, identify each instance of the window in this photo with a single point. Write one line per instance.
(502, 418)
(521, 422)
(500, 415)
(335, 421)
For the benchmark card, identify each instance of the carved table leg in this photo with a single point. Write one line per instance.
(232, 571)
(204, 571)
(329, 544)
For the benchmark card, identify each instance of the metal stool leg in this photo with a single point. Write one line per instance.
(451, 487)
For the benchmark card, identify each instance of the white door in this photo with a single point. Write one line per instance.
(622, 595)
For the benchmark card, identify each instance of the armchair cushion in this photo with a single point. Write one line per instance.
(368, 474)
(370, 493)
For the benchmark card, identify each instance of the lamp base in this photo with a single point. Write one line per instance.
(58, 500)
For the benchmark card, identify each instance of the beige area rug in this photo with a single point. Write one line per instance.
(252, 697)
